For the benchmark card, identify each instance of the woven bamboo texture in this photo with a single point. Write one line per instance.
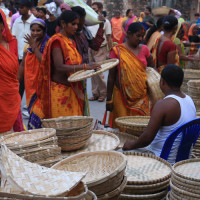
(144, 169)
(105, 170)
(30, 178)
(114, 195)
(68, 123)
(49, 162)
(28, 136)
(161, 11)
(82, 75)
(99, 141)
(153, 83)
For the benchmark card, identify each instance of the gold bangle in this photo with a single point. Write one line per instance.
(109, 102)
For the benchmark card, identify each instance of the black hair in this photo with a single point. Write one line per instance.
(79, 10)
(1, 19)
(169, 22)
(154, 28)
(117, 13)
(196, 14)
(104, 13)
(42, 27)
(44, 10)
(173, 75)
(68, 16)
(98, 4)
(148, 8)
(128, 11)
(135, 27)
(37, 8)
(26, 3)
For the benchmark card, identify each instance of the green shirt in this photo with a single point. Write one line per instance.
(177, 41)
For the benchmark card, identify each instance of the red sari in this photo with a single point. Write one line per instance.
(10, 100)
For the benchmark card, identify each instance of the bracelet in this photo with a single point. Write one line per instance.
(109, 102)
(85, 67)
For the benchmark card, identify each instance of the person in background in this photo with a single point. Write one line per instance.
(148, 20)
(42, 13)
(10, 101)
(21, 27)
(98, 81)
(34, 12)
(127, 21)
(13, 18)
(175, 13)
(164, 51)
(64, 7)
(12, 8)
(29, 69)
(126, 86)
(61, 59)
(58, 9)
(141, 18)
(167, 115)
(52, 21)
(117, 33)
(104, 13)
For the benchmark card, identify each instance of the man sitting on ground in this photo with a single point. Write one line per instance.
(169, 113)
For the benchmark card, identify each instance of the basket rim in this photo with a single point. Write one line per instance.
(104, 178)
(67, 118)
(150, 181)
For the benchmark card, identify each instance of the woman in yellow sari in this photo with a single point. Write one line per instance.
(126, 87)
(60, 59)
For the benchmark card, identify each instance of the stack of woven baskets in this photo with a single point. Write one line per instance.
(134, 125)
(21, 178)
(38, 146)
(196, 149)
(147, 177)
(105, 172)
(194, 92)
(73, 132)
(185, 180)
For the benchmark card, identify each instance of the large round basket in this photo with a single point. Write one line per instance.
(99, 141)
(153, 83)
(105, 170)
(82, 75)
(30, 178)
(161, 11)
(70, 123)
(144, 169)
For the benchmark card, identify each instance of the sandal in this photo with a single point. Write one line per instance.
(93, 99)
(101, 99)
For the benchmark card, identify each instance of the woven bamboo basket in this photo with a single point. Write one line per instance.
(30, 178)
(82, 75)
(168, 196)
(99, 141)
(22, 138)
(161, 11)
(5, 133)
(153, 83)
(69, 123)
(49, 162)
(105, 170)
(114, 195)
(144, 169)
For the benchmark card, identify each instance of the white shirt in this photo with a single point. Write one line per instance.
(19, 30)
(188, 113)
(107, 31)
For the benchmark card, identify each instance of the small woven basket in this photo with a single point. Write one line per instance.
(161, 11)
(105, 170)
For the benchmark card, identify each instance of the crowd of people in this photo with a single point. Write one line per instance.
(44, 45)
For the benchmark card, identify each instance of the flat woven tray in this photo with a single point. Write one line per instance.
(82, 75)
(143, 169)
(99, 141)
(34, 179)
(134, 123)
(153, 83)
(24, 137)
(190, 74)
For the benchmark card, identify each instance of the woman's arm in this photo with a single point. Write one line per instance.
(150, 62)
(20, 75)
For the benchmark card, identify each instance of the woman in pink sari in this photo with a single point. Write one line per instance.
(127, 21)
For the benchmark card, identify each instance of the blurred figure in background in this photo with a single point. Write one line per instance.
(148, 20)
(141, 18)
(42, 13)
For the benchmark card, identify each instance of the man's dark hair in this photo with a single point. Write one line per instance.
(43, 10)
(79, 10)
(169, 22)
(104, 13)
(98, 4)
(148, 8)
(196, 14)
(173, 75)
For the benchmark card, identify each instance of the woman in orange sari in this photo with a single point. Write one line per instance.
(60, 59)
(10, 101)
(126, 87)
(29, 69)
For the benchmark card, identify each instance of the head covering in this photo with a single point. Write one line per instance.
(190, 33)
(6, 32)
(39, 22)
(65, 6)
(51, 7)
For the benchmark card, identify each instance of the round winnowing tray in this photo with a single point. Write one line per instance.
(143, 169)
(99, 141)
(82, 75)
(34, 179)
(188, 169)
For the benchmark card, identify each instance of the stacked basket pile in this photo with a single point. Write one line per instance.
(196, 149)
(73, 132)
(194, 92)
(38, 146)
(21, 178)
(105, 172)
(185, 181)
(147, 177)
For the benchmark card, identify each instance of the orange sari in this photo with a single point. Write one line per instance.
(131, 98)
(57, 99)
